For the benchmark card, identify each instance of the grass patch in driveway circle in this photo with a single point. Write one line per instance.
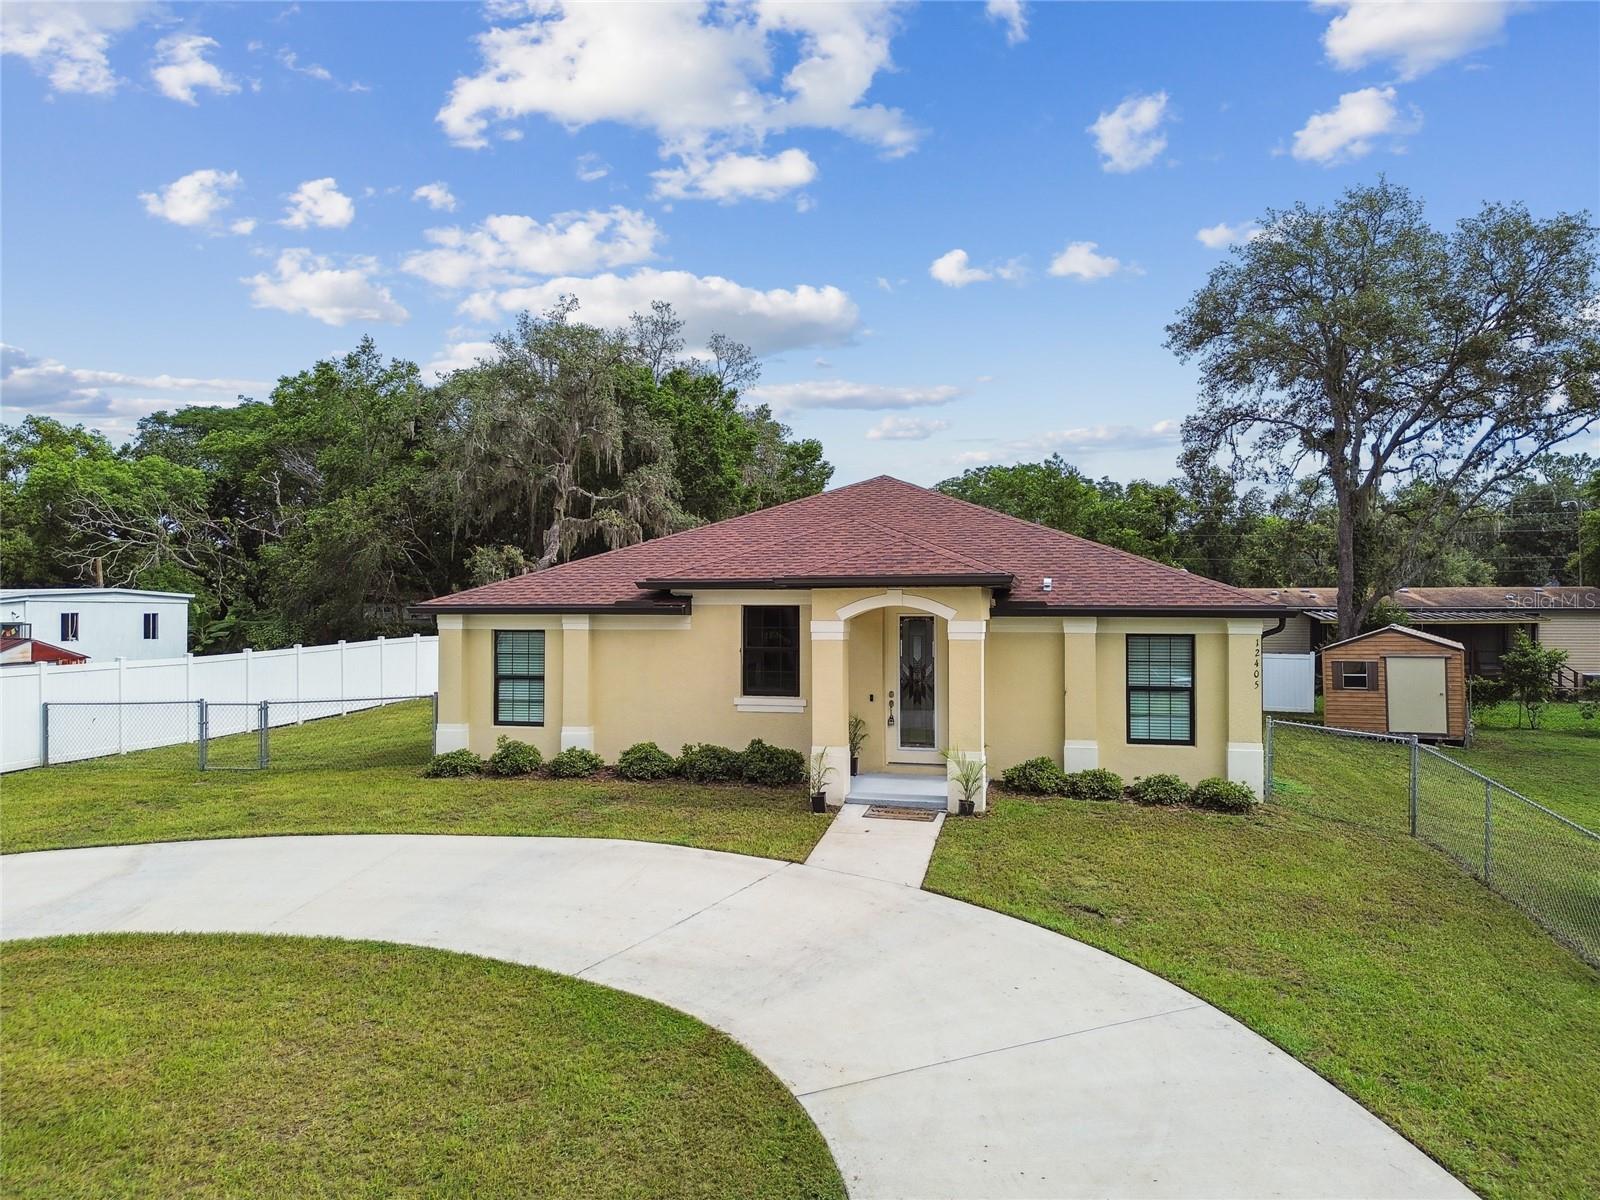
(222, 1065)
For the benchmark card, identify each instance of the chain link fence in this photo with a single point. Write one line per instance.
(243, 736)
(1544, 863)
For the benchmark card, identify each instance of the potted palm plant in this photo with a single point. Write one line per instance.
(967, 772)
(818, 772)
(858, 739)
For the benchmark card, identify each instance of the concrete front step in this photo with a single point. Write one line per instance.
(902, 791)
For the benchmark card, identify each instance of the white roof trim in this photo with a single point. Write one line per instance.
(87, 593)
(1417, 633)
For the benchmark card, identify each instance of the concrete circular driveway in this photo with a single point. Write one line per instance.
(943, 1050)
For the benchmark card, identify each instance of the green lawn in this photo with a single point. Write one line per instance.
(238, 1066)
(1321, 925)
(361, 774)
(1557, 764)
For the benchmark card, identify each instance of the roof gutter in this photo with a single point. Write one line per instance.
(989, 580)
(679, 606)
(1030, 608)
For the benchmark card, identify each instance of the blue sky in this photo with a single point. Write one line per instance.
(955, 231)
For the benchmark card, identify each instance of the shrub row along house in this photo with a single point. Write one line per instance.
(942, 625)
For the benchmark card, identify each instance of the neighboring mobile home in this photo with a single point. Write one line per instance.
(100, 624)
(1482, 619)
(944, 625)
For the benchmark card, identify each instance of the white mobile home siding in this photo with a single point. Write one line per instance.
(1295, 638)
(1577, 632)
(111, 621)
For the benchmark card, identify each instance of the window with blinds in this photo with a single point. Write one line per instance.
(1161, 689)
(519, 677)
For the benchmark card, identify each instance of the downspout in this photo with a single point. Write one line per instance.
(1278, 628)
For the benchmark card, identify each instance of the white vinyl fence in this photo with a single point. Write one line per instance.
(1289, 683)
(354, 674)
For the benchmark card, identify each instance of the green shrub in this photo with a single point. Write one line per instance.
(1039, 776)
(1224, 795)
(453, 765)
(1159, 789)
(702, 763)
(1094, 784)
(645, 760)
(575, 762)
(512, 757)
(771, 766)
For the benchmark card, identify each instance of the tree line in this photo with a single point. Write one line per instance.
(358, 487)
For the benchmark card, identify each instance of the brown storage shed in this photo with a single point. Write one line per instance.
(1396, 680)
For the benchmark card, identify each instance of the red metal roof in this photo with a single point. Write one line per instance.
(38, 651)
(881, 531)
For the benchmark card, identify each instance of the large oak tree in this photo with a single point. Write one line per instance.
(1416, 371)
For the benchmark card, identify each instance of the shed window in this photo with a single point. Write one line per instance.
(519, 677)
(1161, 689)
(771, 658)
(152, 626)
(1355, 676)
(69, 627)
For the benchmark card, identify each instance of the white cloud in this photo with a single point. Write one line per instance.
(767, 321)
(180, 67)
(310, 284)
(291, 61)
(193, 200)
(1082, 440)
(458, 355)
(736, 176)
(437, 196)
(1222, 234)
(509, 249)
(319, 202)
(591, 167)
(1129, 136)
(842, 394)
(1082, 260)
(111, 401)
(906, 429)
(1009, 13)
(244, 226)
(700, 76)
(954, 269)
(67, 43)
(1347, 130)
(1416, 35)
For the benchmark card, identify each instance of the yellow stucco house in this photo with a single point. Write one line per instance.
(941, 624)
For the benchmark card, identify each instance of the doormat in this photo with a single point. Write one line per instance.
(900, 814)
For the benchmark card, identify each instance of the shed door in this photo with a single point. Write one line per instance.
(1416, 695)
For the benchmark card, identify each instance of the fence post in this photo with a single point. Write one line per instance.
(1488, 830)
(122, 697)
(381, 692)
(1266, 755)
(264, 715)
(246, 660)
(1415, 764)
(44, 734)
(299, 694)
(416, 665)
(205, 730)
(344, 703)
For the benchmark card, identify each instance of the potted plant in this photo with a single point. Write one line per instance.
(968, 775)
(818, 772)
(858, 739)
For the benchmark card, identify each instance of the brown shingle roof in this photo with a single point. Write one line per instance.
(882, 531)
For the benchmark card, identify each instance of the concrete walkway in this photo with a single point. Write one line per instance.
(943, 1050)
(887, 848)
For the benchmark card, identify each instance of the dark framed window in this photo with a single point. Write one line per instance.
(152, 626)
(771, 650)
(1355, 676)
(1161, 689)
(69, 627)
(519, 677)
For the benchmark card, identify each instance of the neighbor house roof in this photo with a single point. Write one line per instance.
(89, 593)
(1448, 605)
(1419, 634)
(880, 532)
(15, 650)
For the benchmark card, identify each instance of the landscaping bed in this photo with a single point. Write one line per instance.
(140, 1065)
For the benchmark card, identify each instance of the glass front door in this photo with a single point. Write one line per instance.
(916, 683)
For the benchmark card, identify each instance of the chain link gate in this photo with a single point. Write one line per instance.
(1544, 863)
(226, 735)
